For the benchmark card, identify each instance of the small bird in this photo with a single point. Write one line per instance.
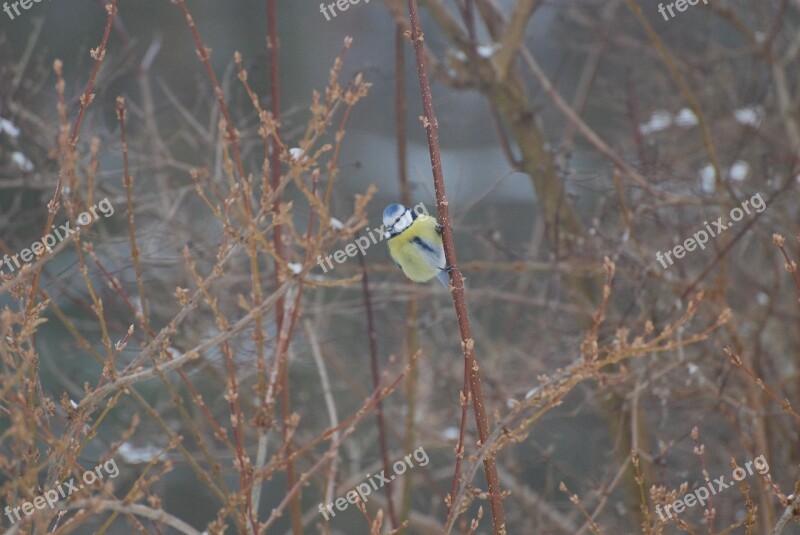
(415, 243)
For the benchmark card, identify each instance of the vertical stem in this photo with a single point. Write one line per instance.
(412, 382)
(277, 238)
(376, 380)
(456, 279)
(400, 114)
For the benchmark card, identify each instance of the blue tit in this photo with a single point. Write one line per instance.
(415, 243)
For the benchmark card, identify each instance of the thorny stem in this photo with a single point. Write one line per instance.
(456, 279)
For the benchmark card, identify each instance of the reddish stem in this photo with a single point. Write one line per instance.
(376, 378)
(456, 279)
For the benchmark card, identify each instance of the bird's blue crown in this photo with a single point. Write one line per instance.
(397, 218)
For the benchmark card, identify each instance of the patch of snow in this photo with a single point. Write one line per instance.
(135, 455)
(451, 433)
(486, 51)
(297, 154)
(707, 176)
(739, 170)
(750, 116)
(22, 161)
(686, 117)
(9, 128)
(659, 120)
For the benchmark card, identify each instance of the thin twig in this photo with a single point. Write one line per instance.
(791, 512)
(376, 377)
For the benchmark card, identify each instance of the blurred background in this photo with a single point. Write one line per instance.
(571, 131)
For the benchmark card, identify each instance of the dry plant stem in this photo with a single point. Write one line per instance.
(412, 383)
(328, 433)
(693, 103)
(792, 512)
(514, 34)
(785, 404)
(242, 463)
(26, 56)
(330, 404)
(575, 499)
(590, 135)
(376, 378)
(644, 509)
(510, 98)
(536, 503)
(253, 238)
(554, 389)
(156, 515)
(292, 313)
(683, 86)
(136, 491)
(128, 183)
(66, 170)
(456, 279)
(790, 265)
(351, 423)
(233, 135)
(277, 239)
(587, 76)
(57, 469)
(699, 450)
(605, 494)
(232, 138)
(763, 48)
(143, 319)
(464, 397)
(281, 372)
(733, 241)
(145, 373)
(218, 432)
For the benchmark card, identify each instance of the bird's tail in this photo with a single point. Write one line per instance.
(444, 278)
